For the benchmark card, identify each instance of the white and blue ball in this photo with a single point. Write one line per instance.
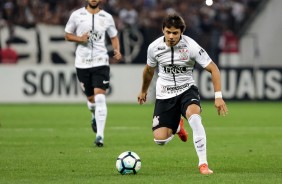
(128, 162)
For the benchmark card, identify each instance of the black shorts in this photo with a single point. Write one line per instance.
(167, 112)
(96, 77)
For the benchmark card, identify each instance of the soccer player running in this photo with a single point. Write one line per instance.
(175, 55)
(87, 27)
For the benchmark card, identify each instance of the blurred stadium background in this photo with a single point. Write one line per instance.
(241, 36)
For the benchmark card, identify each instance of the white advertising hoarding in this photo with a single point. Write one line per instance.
(58, 83)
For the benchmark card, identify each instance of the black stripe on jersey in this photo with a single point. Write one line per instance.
(93, 17)
(172, 63)
(93, 21)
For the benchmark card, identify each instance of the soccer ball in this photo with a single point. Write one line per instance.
(128, 162)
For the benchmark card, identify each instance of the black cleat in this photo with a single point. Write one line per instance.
(99, 141)
(94, 125)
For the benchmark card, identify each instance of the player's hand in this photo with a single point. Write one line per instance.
(117, 55)
(84, 38)
(142, 98)
(220, 106)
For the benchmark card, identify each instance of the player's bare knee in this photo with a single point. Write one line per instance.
(192, 109)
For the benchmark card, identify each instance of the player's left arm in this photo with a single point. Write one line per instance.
(116, 46)
(218, 102)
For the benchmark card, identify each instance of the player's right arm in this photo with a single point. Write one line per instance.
(148, 74)
(78, 39)
(71, 27)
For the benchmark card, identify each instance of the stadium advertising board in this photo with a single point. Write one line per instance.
(244, 84)
(58, 84)
(45, 72)
(46, 44)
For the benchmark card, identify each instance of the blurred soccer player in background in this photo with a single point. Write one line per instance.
(175, 55)
(87, 27)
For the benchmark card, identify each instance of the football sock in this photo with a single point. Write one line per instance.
(100, 114)
(199, 137)
(91, 107)
(163, 142)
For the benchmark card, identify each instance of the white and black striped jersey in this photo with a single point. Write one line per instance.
(175, 65)
(94, 52)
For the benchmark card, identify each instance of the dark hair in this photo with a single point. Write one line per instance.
(174, 20)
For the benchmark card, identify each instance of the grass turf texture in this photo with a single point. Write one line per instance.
(54, 144)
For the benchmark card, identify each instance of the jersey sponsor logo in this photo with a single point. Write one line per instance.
(175, 69)
(175, 89)
(94, 36)
(100, 60)
(95, 61)
(102, 15)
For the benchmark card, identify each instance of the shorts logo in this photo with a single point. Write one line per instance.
(82, 86)
(156, 121)
(106, 82)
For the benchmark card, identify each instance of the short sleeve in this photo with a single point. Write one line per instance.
(70, 26)
(112, 30)
(151, 60)
(199, 54)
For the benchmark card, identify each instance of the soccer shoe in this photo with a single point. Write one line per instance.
(182, 134)
(204, 169)
(99, 141)
(94, 125)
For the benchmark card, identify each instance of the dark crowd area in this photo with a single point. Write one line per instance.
(205, 24)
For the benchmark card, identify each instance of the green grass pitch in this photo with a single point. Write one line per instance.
(53, 144)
